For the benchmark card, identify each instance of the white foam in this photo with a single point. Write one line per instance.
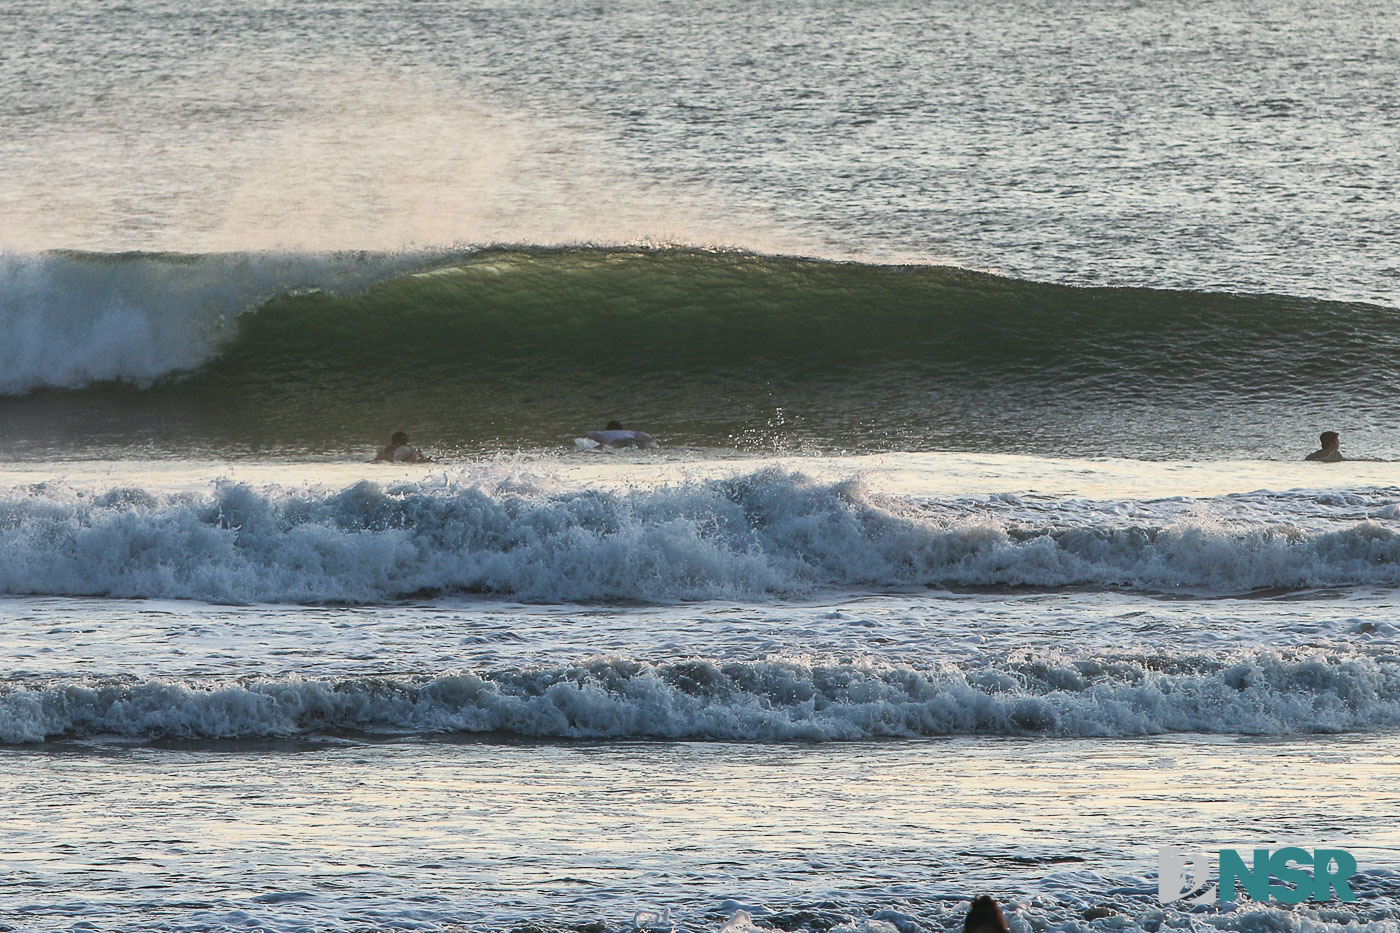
(756, 536)
(68, 320)
(775, 700)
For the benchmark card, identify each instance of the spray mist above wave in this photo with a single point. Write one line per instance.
(775, 700)
(765, 535)
(289, 155)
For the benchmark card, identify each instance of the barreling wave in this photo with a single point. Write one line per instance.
(770, 534)
(774, 700)
(71, 319)
(527, 344)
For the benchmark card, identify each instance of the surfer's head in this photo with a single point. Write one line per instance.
(614, 426)
(1330, 440)
(398, 439)
(985, 916)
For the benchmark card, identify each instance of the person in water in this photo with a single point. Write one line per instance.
(1331, 451)
(985, 916)
(400, 451)
(615, 435)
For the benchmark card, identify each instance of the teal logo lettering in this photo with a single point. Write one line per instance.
(1289, 876)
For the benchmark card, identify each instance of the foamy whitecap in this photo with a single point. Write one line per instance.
(70, 319)
(776, 700)
(769, 534)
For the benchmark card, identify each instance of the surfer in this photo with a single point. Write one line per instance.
(615, 435)
(1331, 451)
(985, 916)
(400, 451)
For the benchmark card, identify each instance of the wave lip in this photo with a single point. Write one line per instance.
(776, 700)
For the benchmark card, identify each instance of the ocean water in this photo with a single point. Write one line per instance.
(983, 343)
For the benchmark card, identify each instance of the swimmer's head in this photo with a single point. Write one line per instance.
(985, 916)
(1330, 439)
(614, 426)
(398, 439)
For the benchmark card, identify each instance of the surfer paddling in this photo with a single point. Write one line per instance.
(400, 451)
(1331, 451)
(615, 436)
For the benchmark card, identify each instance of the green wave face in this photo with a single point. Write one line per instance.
(530, 348)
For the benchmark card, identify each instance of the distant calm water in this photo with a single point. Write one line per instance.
(983, 342)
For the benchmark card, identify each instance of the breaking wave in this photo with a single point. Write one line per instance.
(763, 701)
(768, 534)
(140, 317)
(522, 345)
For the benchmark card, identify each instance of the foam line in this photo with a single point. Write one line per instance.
(756, 536)
(775, 700)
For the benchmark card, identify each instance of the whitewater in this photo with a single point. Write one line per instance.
(983, 345)
(532, 625)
